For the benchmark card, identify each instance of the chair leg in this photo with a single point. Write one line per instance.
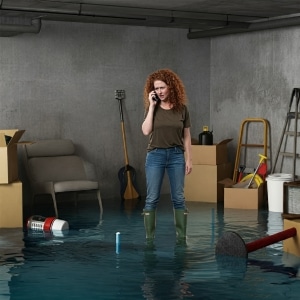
(54, 204)
(100, 203)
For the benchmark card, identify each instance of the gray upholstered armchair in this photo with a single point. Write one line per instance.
(53, 167)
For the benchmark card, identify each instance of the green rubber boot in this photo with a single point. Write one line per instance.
(150, 224)
(180, 216)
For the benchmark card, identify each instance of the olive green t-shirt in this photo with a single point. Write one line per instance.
(168, 126)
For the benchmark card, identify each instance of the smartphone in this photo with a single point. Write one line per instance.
(155, 98)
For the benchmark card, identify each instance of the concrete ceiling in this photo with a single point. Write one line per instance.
(201, 18)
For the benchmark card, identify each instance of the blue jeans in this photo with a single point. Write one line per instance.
(157, 161)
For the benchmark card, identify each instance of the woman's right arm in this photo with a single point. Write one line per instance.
(147, 125)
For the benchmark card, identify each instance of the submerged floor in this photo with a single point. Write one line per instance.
(83, 263)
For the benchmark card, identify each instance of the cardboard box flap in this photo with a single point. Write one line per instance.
(225, 142)
(10, 137)
(227, 182)
(9, 132)
(195, 141)
(16, 137)
(2, 140)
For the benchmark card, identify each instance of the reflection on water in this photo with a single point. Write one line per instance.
(83, 264)
(275, 224)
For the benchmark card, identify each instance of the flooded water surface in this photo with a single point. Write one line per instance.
(86, 263)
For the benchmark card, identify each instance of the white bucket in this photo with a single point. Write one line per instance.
(275, 190)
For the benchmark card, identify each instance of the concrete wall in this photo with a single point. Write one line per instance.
(252, 76)
(61, 84)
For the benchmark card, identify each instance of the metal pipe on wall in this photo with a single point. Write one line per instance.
(262, 25)
(35, 27)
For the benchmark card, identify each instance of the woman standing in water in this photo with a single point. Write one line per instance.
(167, 123)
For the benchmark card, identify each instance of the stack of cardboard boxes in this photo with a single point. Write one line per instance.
(210, 166)
(11, 203)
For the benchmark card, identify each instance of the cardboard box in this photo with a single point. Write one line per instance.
(242, 198)
(210, 154)
(202, 184)
(292, 244)
(9, 155)
(11, 205)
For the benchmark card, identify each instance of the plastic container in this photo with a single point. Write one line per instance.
(41, 223)
(275, 190)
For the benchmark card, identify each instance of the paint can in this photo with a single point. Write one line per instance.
(41, 223)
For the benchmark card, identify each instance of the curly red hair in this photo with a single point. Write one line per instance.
(177, 94)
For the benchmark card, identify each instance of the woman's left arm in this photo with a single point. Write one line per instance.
(188, 150)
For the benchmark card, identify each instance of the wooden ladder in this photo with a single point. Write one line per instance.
(243, 142)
